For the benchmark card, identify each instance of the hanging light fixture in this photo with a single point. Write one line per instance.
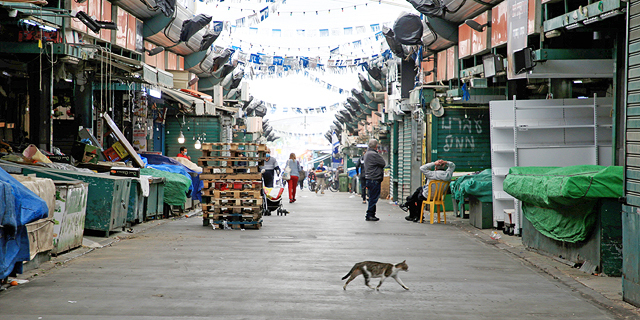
(198, 145)
(181, 137)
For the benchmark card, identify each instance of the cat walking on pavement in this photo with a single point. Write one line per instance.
(373, 269)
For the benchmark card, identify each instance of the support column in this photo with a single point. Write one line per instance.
(39, 105)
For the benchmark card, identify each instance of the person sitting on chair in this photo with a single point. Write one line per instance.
(443, 171)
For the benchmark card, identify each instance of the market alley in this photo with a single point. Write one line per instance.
(291, 269)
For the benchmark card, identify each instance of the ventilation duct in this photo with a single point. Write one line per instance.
(166, 32)
(145, 9)
(208, 39)
(439, 34)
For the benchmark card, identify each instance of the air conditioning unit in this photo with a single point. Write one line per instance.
(218, 96)
(406, 106)
(244, 92)
(414, 97)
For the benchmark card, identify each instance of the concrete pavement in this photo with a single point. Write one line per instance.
(291, 269)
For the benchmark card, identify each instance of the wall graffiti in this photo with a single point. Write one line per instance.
(465, 131)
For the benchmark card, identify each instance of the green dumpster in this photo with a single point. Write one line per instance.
(135, 213)
(107, 202)
(154, 203)
(343, 179)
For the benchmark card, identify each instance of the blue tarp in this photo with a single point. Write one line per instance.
(164, 163)
(18, 207)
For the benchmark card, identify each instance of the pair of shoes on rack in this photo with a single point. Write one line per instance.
(372, 219)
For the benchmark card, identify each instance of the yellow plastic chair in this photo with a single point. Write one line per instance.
(437, 191)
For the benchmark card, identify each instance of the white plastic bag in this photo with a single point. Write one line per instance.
(495, 236)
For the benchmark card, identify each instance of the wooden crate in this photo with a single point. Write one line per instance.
(234, 153)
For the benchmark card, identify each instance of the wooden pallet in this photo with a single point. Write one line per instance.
(236, 225)
(244, 146)
(230, 169)
(214, 208)
(230, 176)
(233, 194)
(229, 162)
(247, 185)
(249, 217)
(231, 202)
(234, 153)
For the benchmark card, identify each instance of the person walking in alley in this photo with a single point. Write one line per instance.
(301, 177)
(443, 171)
(363, 181)
(270, 166)
(374, 173)
(293, 166)
(321, 173)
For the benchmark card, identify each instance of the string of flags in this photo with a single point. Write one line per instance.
(297, 134)
(253, 18)
(272, 65)
(314, 79)
(354, 7)
(273, 108)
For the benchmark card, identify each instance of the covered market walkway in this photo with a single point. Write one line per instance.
(291, 269)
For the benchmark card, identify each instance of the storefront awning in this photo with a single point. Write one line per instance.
(183, 98)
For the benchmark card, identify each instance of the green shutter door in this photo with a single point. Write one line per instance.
(462, 136)
(631, 209)
(394, 161)
(194, 126)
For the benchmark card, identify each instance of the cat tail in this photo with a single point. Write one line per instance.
(350, 272)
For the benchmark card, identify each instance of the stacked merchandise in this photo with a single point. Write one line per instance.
(231, 197)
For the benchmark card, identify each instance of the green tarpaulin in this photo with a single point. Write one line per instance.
(559, 202)
(176, 186)
(477, 185)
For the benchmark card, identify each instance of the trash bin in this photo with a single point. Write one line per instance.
(154, 204)
(69, 215)
(343, 179)
(480, 213)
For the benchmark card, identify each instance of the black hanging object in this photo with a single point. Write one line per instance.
(364, 83)
(167, 7)
(431, 8)
(208, 39)
(192, 26)
(394, 45)
(408, 29)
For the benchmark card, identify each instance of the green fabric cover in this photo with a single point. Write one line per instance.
(558, 201)
(477, 185)
(176, 185)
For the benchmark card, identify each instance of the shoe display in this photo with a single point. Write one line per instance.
(372, 219)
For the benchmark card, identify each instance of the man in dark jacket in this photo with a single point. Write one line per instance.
(363, 180)
(374, 173)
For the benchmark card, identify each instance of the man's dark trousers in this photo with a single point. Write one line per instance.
(363, 186)
(374, 194)
(414, 202)
(267, 176)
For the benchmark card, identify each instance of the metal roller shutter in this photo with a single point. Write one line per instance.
(193, 126)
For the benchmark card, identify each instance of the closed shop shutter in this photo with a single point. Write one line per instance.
(631, 210)
(462, 136)
(194, 126)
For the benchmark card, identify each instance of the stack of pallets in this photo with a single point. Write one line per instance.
(232, 184)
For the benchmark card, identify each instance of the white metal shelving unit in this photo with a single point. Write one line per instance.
(556, 133)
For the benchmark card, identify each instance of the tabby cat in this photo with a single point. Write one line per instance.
(373, 269)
